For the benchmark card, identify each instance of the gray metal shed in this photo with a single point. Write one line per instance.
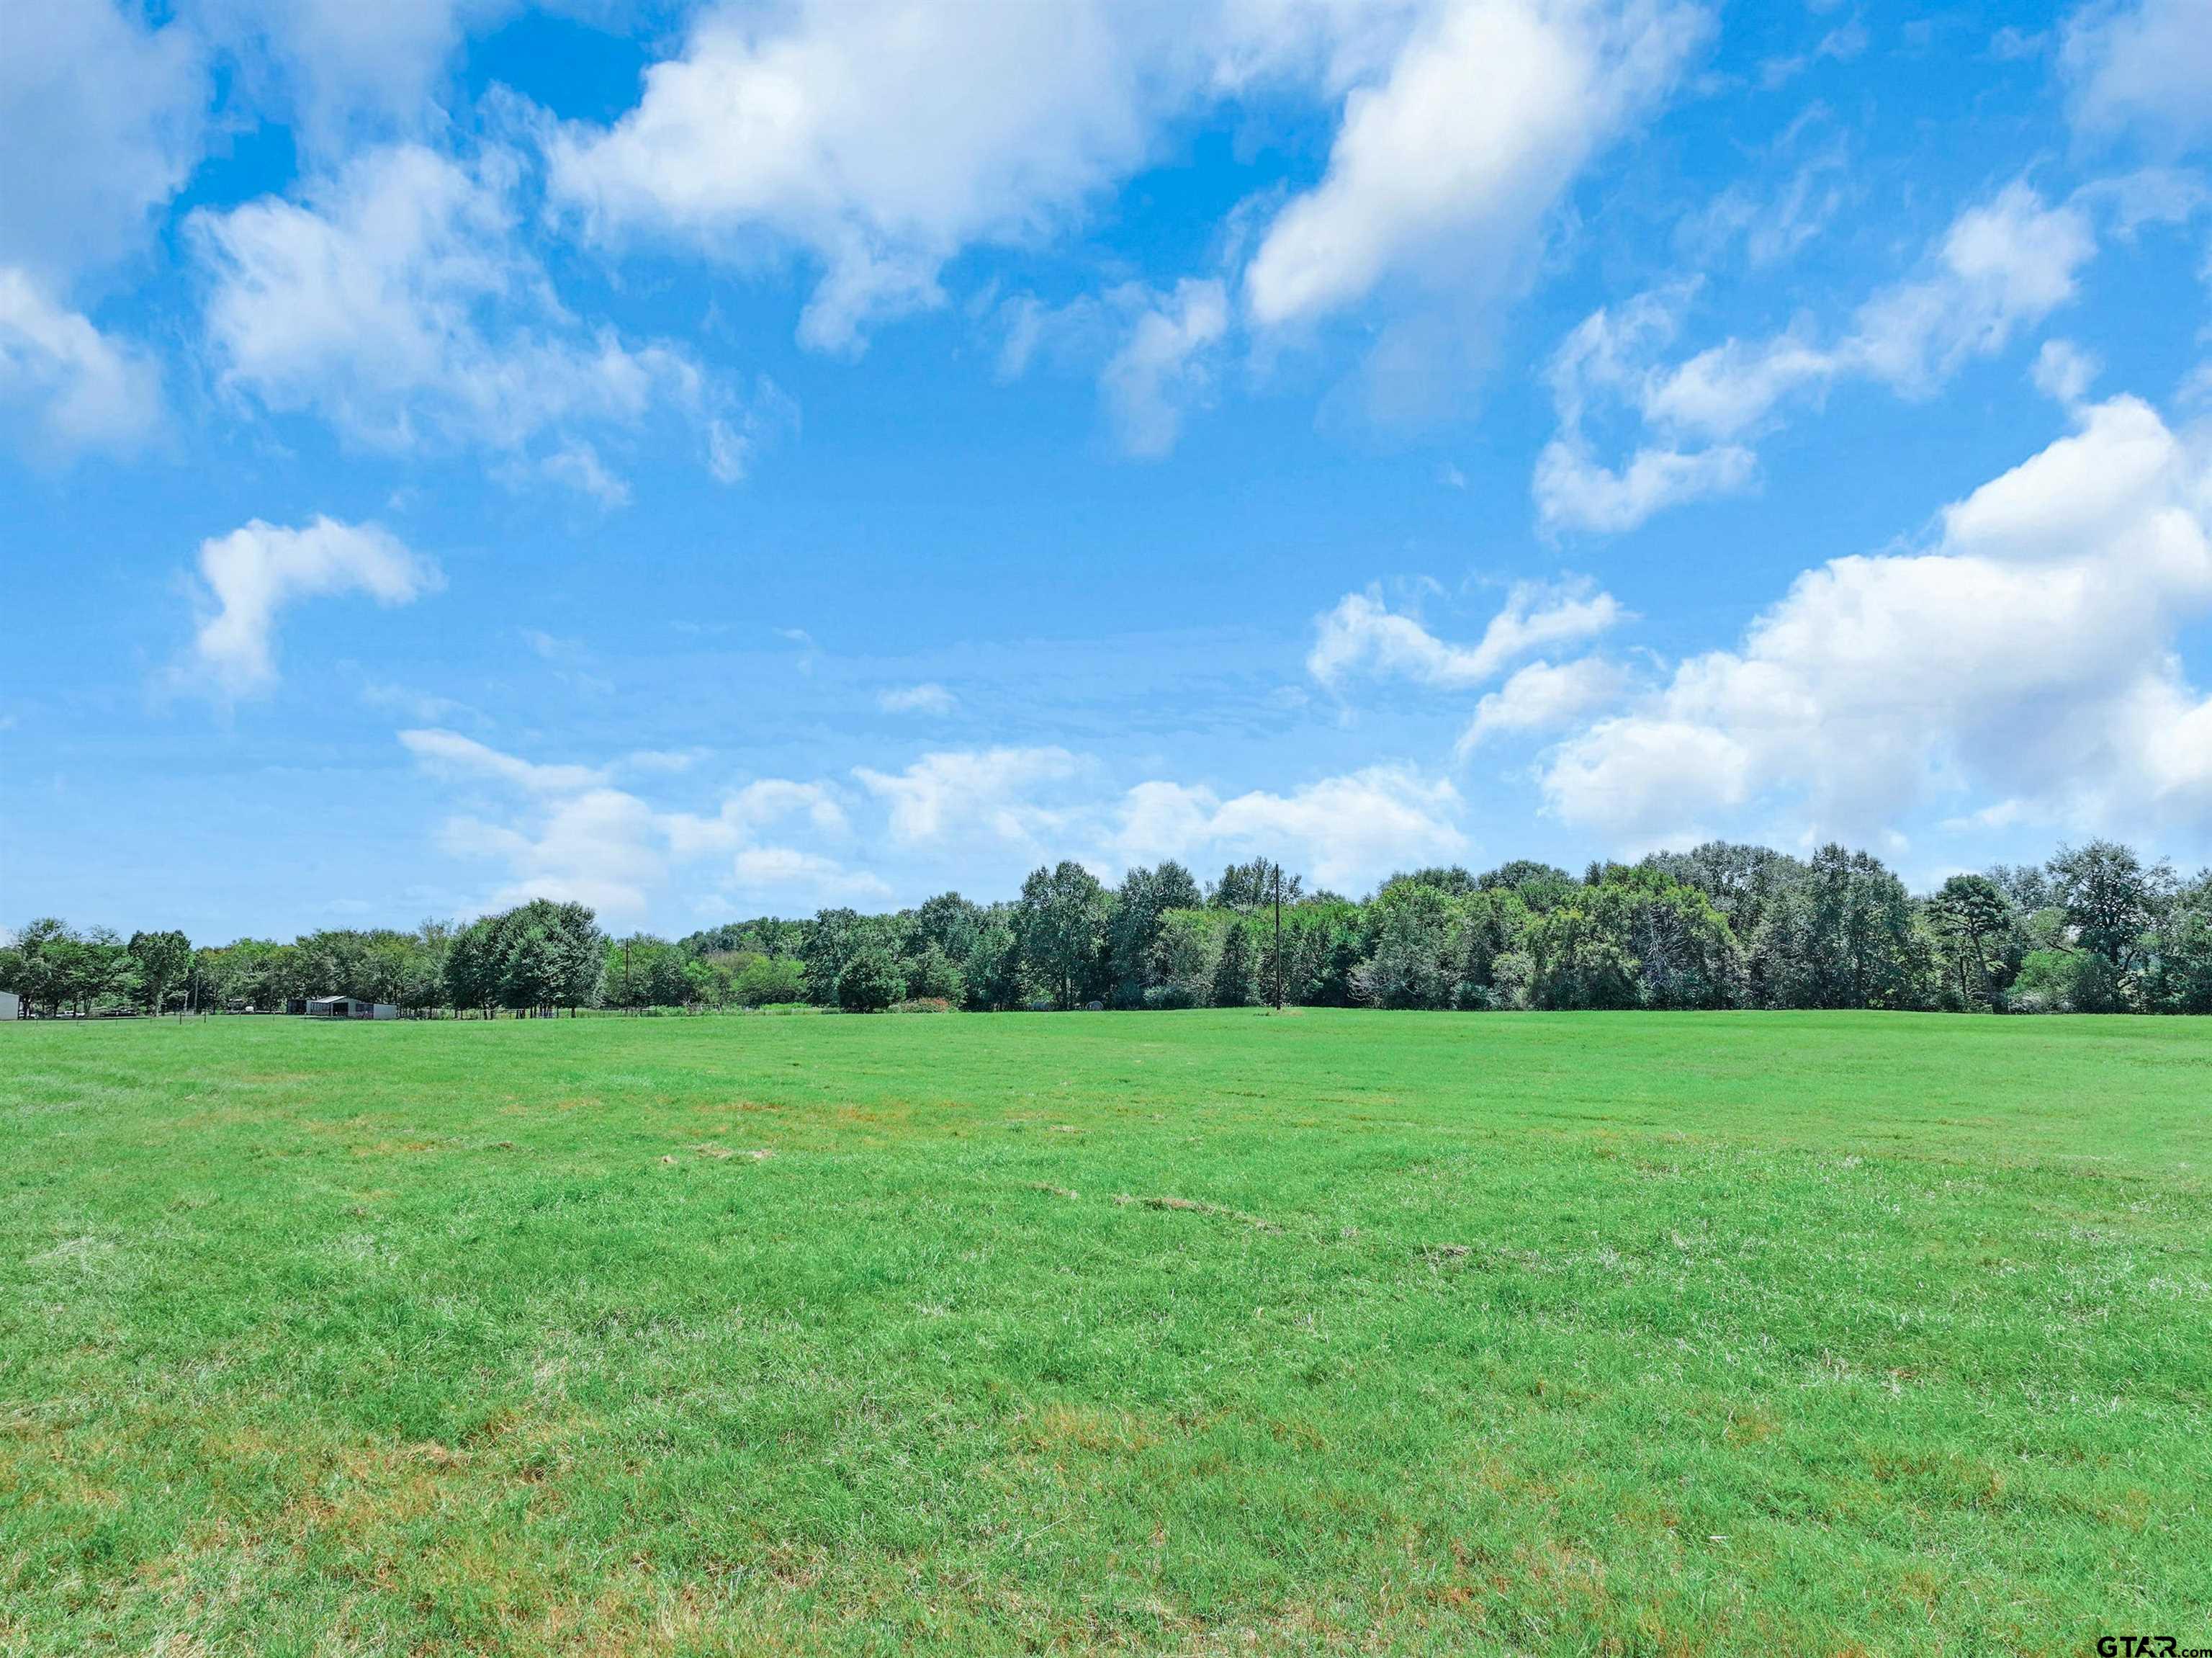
(348, 1007)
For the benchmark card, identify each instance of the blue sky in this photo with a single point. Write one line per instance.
(717, 458)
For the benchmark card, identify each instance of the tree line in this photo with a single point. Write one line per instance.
(2097, 929)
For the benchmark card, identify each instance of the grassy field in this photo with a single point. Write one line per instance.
(1185, 1332)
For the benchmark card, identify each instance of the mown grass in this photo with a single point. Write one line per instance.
(1189, 1333)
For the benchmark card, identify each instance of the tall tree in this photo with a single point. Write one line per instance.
(1249, 886)
(163, 961)
(1060, 922)
(1972, 915)
(2111, 898)
(1144, 897)
(1237, 970)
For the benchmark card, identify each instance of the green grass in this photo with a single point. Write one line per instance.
(1189, 1332)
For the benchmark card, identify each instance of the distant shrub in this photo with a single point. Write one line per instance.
(765, 980)
(2063, 981)
(870, 982)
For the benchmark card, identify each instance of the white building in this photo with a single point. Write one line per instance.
(11, 1006)
(348, 1007)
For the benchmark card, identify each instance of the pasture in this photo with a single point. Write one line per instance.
(1186, 1332)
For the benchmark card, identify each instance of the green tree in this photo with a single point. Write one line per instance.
(532, 972)
(1133, 932)
(1060, 922)
(472, 967)
(1843, 936)
(1413, 963)
(948, 922)
(870, 981)
(769, 980)
(1540, 887)
(45, 956)
(1235, 970)
(933, 974)
(1247, 888)
(1971, 919)
(163, 962)
(1583, 954)
(2181, 976)
(2111, 898)
(98, 971)
(992, 972)
(832, 938)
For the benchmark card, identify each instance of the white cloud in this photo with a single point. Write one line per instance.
(926, 698)
(1163, 365)
(100, 120)
(563, 831)
(572, 836)
(2028, 655)
(397, 302)
(2001, 267)
(746, 811)
(991, 790)
(1346, 831)
(454, 754)
(1774, 228)
(1362, 634)
(1543, 697)
(76, 386)
(252, 574)
(2064, 372)
(1441, 172)
(660, 759)
(784, 871)
(2145, 66)
(880, 137)
(1573, 490)
(600, 846)
(2008, 263)
(338, 70)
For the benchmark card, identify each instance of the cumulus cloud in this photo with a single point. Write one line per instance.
(339, 70)
(2001, 265)
(745, 812)
(251, 576)
(2064, 372)
(785, 872)
(1543, 698)
(396, 301)
(1163, 366)
(1347, 832)
(1442, 171)
(563, 831)
(75, 386)
(879, 137)
(1573, 490)
(1362, 634)
(2026, 656)
(993, 791)
(101, 118)
(929, 698)
(2144, 66)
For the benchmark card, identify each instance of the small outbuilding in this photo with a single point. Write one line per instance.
(11, 1005)
(348, 1007)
